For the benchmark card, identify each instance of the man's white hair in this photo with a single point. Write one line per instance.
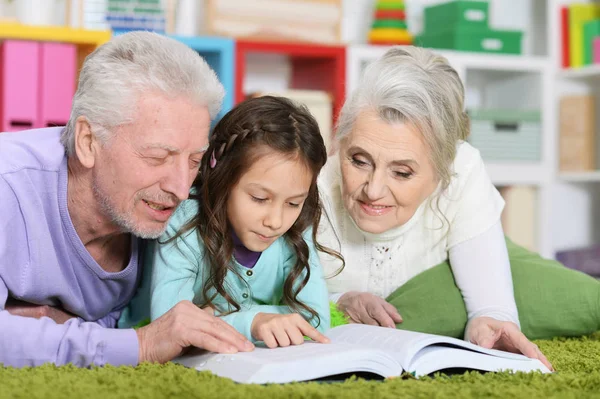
(118, 72)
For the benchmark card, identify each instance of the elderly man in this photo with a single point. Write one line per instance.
(78, 202)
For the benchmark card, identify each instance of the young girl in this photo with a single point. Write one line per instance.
(244, 243)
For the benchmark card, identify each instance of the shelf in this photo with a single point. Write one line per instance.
(85, 40)
(359, 55)
(517, 63)
(469, 60)
(219, 53)
(313, 67)
(512, 173)
(587, 72)
(576, 177)
(54, 34)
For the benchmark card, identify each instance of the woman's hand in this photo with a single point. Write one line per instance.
(24, 309)
(503, 335)
(284, 330)
(366, 308)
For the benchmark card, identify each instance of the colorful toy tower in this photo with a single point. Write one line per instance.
(389, 26)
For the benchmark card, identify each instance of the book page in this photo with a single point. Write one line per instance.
(403, 345)
(294, 363)
(437, 357)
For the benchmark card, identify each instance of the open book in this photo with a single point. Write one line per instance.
(357, 348)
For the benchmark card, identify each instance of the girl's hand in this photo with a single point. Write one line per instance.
(284, 330)
(503, 335)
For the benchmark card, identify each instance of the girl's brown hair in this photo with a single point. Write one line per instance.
(274, 124)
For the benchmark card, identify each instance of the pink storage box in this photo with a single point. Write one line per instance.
(57, 83)
(19, 85)
(596, 50)
(37, 83)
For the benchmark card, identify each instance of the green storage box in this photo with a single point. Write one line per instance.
(591, 30)
(506, 135)
(487, 41)
(456, 14)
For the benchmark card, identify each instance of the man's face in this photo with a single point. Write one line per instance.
(147, 167)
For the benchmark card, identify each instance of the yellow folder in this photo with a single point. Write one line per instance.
(579, 14)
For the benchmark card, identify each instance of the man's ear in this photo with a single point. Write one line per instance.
(85, 143)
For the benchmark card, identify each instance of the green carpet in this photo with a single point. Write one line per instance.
(577, 361)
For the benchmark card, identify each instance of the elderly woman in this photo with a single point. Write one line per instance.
(404, 192)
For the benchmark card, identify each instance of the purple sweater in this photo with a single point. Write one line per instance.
(243, 255)
(43, 261)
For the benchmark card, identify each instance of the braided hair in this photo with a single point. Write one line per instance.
(238, 140)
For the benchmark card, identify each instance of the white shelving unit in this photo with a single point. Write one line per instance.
(361, 54)
(575, 195)
(580, 177)
(566, 215)
(515, 173)
(568, 211)
(587, 72)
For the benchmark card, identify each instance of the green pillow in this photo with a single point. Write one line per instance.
(552, 300)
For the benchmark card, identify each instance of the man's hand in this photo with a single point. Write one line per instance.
(284, 330)
(366, 308)
(24, 309)
(187, 325)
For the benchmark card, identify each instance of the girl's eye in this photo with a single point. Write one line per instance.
(258, 199)
(294, 205)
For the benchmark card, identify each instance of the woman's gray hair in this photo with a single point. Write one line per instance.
(118, 72)
(414, 86)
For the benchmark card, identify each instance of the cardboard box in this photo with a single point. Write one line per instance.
(577, 142)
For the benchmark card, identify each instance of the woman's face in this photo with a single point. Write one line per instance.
(386, 173)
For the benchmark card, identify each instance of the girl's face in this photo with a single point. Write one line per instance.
(268, 199)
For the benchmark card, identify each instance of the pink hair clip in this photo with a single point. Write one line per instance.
(213, 160)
